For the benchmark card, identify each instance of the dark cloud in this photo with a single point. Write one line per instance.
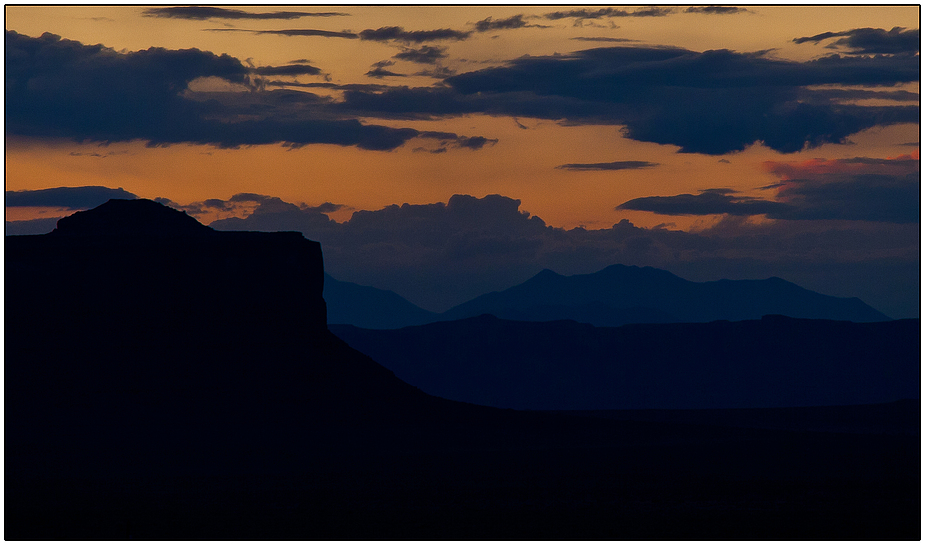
(200, 13)
(73, 198)
(60, 88)
(615, 165)
(291, 32)
(362, 87)
(602, 39)
(32, 227)
(382, 34)
(476, 142)
(859, 189)
(608, 12)
(713, 102)
(871, 40)
(828, 95)
(399, 34)
(379, 72)
(439, 72)
(287, 70)
(438, 255)
(709, 202)
(489, 24)
(453, 140)
(715, 10)
(425, 55)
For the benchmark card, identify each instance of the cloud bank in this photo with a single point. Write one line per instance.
(61, 88)
(859, 189)
(714, 102)
(201, 13)
(615, 165)
(72, 198)
(871, 41)
(441, 254)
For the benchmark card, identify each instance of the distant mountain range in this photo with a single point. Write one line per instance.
(773, 362)
(614, 296)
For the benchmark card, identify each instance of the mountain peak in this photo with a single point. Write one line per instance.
(546, 273)
(121, 217)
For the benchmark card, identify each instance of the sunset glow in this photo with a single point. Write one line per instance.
(738, 130)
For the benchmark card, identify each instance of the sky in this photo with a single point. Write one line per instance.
(445, 151)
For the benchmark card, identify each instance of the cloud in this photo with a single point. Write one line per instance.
(708, 202)
(859, 189)
(60, 88)
(31, 227)
(379, 72)
(382, 34)
(489, 24)
(441, 254)
(615, 165)
(846, 95)
(453, 140)
(713, 102)
(608, 12)
(200, 13)
(287, 70)
(425, 55)
(399, 34)
(602, 39)
(871, 41)
(292, 32)
(72, 198)
(715, 10)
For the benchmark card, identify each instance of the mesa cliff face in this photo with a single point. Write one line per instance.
(139, 340)
(128, 259)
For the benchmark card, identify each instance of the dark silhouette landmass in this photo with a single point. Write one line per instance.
(773, 362)
(164, 381)
(627, 294)
(899, 417)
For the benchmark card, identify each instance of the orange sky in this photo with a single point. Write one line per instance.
(522, 164)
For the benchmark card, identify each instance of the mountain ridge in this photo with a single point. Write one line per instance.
(624, 287)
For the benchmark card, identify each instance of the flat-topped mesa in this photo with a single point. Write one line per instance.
(145, 263)
(136, 217)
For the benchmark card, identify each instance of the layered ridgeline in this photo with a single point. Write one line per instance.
(165, 381)
(614, 296)
(776, 361)
(622, 294)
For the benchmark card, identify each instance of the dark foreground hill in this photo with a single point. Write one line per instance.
(773, 362)
(622, 294)
(164, 381)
